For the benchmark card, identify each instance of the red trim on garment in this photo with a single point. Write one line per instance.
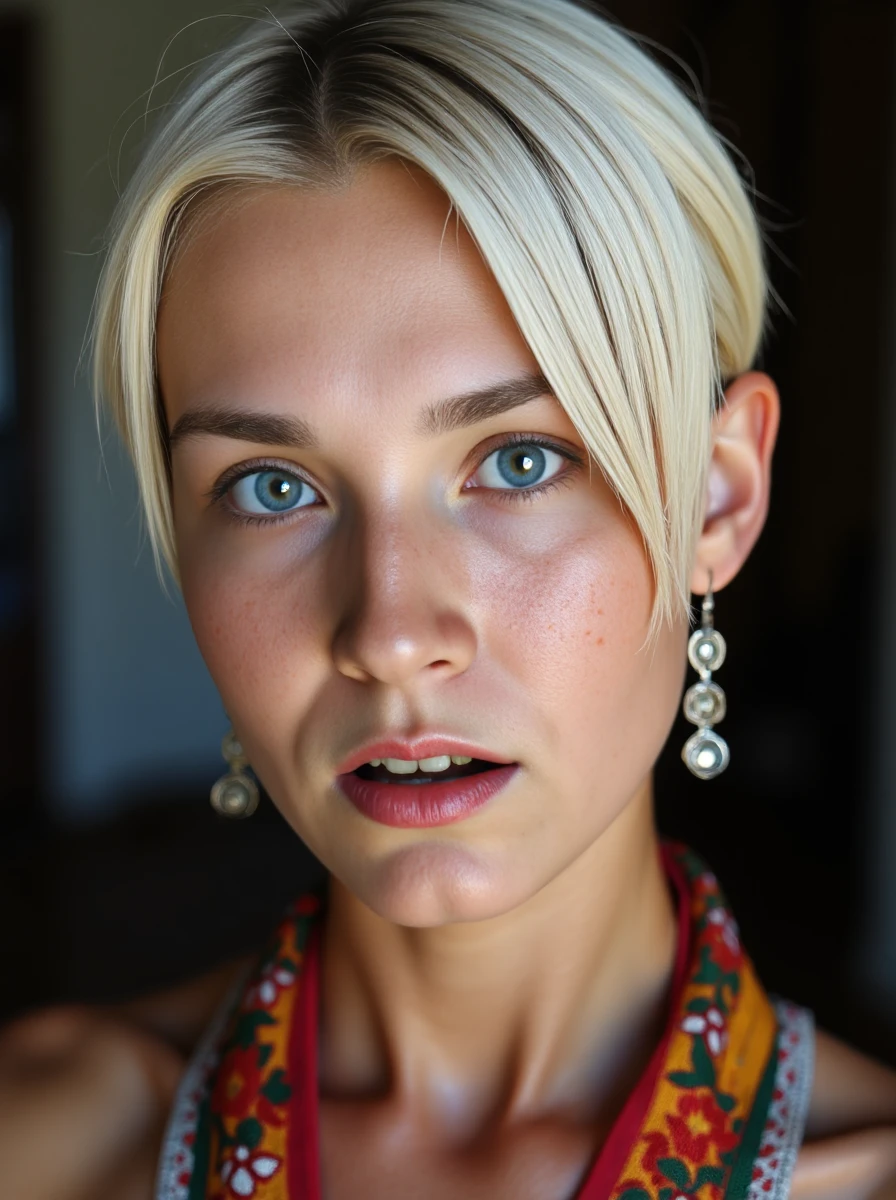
(611, 1159)
(303, 1141)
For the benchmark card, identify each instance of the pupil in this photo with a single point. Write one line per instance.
(522, 465)
(275, 490)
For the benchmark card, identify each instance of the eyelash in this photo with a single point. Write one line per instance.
(217, 495)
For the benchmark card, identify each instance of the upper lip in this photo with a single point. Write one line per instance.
(429, 746)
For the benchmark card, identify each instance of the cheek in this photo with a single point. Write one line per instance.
(258, 631)
(571, 625)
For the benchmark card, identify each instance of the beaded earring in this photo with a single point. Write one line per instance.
(236, 793)
(705, 753)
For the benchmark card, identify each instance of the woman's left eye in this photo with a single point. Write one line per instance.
(267, 493)
(519, 466)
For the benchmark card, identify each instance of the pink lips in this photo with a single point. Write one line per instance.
(418, 805)
(415, 805)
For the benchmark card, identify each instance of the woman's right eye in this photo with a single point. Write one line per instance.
(269, 493)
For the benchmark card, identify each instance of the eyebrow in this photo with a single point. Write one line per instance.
(457, 412)
(245, 426)
(443, 416)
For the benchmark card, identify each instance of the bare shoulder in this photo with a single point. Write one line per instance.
(94, 1088)
(97, 1085)
(849, 1152)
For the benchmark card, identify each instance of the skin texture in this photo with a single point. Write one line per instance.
(402, 603)
(492, 988)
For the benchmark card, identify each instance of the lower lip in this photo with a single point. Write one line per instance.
(419, 805)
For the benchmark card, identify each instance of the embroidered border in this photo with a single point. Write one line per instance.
(784, 1129)
(244, 1121)
(177, 1159)
(705, 1120)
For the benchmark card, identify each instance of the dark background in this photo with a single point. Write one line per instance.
(151, 886)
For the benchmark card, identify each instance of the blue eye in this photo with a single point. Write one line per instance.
(271, 492)
(519, 466)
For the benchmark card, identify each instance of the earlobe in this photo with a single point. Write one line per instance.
(739, 480)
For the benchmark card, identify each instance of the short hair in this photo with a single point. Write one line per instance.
(609, 210)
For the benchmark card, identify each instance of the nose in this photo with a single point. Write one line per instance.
(403, 605)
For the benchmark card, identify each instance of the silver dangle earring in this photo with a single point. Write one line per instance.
(236, 793)
(705, 753)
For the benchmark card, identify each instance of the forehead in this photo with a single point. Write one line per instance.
(372, 286)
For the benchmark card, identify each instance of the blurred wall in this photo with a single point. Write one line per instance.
(130, 706)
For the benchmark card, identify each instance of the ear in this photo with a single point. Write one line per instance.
(744, 432)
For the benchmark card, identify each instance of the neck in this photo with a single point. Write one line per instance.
(551, 1009)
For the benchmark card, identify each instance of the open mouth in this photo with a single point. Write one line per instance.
(382, 774)
(417, 793)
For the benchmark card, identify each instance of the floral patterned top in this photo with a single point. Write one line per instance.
(718, 1114)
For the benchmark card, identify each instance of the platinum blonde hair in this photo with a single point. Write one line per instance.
(602, 200)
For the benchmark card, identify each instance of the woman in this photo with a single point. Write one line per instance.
(429, 325)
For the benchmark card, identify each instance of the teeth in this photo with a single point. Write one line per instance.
(400, 766)
(407, 766)
(440, 763)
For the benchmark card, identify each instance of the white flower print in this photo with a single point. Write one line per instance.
(710, 1025)
(274, 978)
(727, 927)
(242, 1172)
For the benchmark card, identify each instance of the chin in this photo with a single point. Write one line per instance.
(428, 885)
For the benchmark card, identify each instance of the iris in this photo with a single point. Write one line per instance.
(271, 492)
(521, 465)
(276, 490)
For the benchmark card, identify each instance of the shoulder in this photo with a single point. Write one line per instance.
(94, 1088)
(97, 1084)
(849, 1152)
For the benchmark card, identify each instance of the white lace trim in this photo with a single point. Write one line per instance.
(786, 1124)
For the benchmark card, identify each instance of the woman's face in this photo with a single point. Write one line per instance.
(366, 558)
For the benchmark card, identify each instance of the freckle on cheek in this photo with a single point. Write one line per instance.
(599, 641)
